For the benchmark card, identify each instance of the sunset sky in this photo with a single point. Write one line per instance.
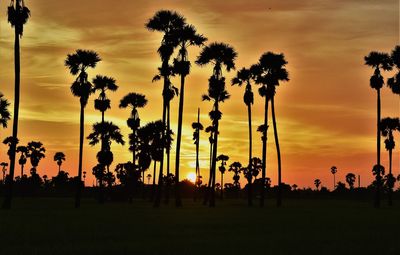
(326, 113)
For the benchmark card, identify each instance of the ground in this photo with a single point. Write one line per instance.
(53, 226)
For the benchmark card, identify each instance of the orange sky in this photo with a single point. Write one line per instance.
(326, 113)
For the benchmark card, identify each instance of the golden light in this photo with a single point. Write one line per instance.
(191, 177)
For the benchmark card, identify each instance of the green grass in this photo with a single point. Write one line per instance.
(52, 226)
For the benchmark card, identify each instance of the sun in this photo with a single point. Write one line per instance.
(191, 177)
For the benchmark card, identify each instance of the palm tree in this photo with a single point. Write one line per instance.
(105, 133)
(78, 63)
(187, 36)
(334, 171)
(263, 129)
(59, 157)
(236, 168)
(133, 101)
(249, 173)
(36, 153)
(223, 158)
(317, 183)
(350, 179)
(217, 54)
(244, 76)
(378, 60)
(270, 71)
(197, 126)
(388, 125)
(23, 157)
(18, 16)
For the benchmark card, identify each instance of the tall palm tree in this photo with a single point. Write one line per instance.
(334, 171)
(105, 133)
(223, 158)
(59, 157)
(133, 101)
(166, 22)
(18, 16)
(378, 61)
(217, 54)
(187, 36)
(317, 183)
(36, 153)
(23, 157)
(350, 179)
(103, 84)
(78, 63)
(388, 125)
(271, 71)
(197, 126)
(244, 76)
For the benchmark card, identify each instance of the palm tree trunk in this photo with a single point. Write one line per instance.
(10, 183)
(334, 182)
(278, 153)
(154, 181)
(160, 175)
(22, 171)
(59, 169)
(390, 200)
(208, 189)
(168, 151)
(178, 200)
(214, 159)
(264, 153)
(250, 202)
(222, 186)
(378, 150)
(79, 180)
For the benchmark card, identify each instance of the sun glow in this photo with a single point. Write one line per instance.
(191, 177)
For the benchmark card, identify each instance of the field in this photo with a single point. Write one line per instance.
(52, 226)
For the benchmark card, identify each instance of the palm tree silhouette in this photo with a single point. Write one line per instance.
(271, 71)
(133, 101)
(394, 82)
(18, 16)
(36, 153)
(59, 157)
(23, 157)
(388, 125)
(350, 179)
(378, 60)
(244, 76)
(334, 171)
(218, 54)
(223, 158)
(187, 36)
(249, 173)
(78, 63)
(263, 129)
(105, 132)
(317, 183)
(166, 22)
(236, 168)
(197, 126)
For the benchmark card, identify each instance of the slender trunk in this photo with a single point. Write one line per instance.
(79, 179)
(250, 201)
(160, 176)
(59, 169)
(22, 170)
(197, 158)
(334, 182)
(153, 187)
(208, 188)
(214, 159)
(264, 153)
(278, 153)
(168, 151)
(222, 186)
(178, 200)
(10, 182)
(390, 201)
(378, 151)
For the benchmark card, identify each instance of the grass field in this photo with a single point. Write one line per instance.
(52, 226)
